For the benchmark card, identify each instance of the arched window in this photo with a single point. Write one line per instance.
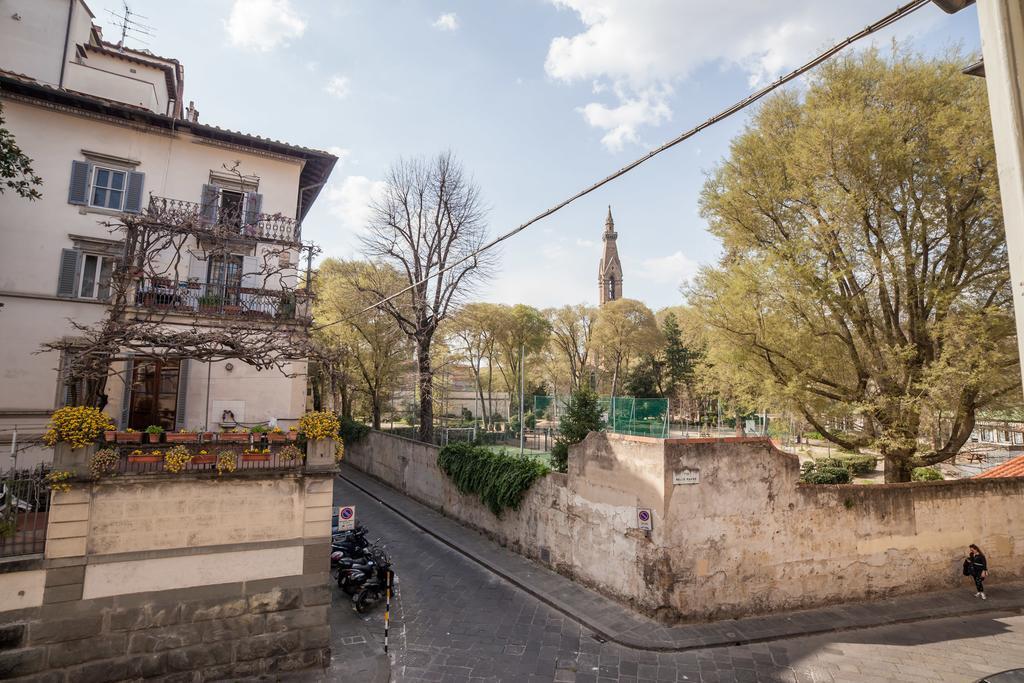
(611, 288)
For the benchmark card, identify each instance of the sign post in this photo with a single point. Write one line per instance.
(346, 518)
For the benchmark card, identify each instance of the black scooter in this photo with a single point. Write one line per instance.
(349, 544)
(375, 580)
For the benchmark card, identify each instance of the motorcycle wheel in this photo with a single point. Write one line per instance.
(364, 600)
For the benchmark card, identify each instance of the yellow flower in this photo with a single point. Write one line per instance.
(176, 459)
(136, 452)
(319, 425)
(78, 426)
(59, 481)
(203, 453)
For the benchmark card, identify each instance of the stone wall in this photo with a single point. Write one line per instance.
(735, 533)
(191, 574)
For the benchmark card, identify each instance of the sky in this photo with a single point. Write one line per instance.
(537, 98)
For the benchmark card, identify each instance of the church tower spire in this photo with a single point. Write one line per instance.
(609, 270)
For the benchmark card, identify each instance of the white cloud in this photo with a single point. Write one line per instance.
(447, 22)
(337, 86)
(342, 153)
(639, 50)
(673, 270)
(349, 200)
(263, 25)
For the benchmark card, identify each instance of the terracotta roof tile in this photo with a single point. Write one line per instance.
(1010, 468)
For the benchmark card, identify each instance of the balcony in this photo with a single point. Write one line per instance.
(217, 300)
(224, 221)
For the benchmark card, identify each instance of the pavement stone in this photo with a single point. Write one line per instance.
(456, 620)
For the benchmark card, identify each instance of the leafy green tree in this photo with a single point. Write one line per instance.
(16, 172)
(864, 278)
(646, 377)
(572, 328)
(625, 330)
(678, 359)
(582, 416)
(521, 329)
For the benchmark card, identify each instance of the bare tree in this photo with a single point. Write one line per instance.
(571, 331)
(157, 312)
(429, 218)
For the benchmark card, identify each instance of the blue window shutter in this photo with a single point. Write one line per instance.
(253, 206)
(78, 190)
(126, 401)
(67, 276)
(208, 204)
(133, 197)
(179, 413)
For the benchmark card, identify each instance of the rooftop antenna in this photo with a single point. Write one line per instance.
(130, 27)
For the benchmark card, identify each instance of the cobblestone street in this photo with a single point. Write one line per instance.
(454, 620)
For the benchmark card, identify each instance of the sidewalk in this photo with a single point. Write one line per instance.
(613, 621)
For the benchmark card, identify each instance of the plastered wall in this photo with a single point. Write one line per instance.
(735, 533)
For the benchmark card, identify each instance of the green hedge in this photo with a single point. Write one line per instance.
(925, 474)
(499, 479)
(854, 462)
(352, 431)
(827, 475)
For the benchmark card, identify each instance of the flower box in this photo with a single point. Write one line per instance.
(208, 437)
(232, 437)
(110, 436)
(181, 437)
(204, 459)
(275, 437)
(255, 457)
(129, 437)
(292, 436)
(145, 457)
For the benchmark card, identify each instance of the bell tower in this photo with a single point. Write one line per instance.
(609, 271)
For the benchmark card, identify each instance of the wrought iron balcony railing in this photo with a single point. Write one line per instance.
(225, 220)
(220, 300)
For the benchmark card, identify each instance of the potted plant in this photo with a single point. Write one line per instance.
(181, 436)
(153, 433)
(128, 436)
(140, 456)
(103, 462)
(256, 455)
(193, 283)
(176, 459)
(289, 453)
(293, 433)
(275, 435)
(210, 303)
(236, 435)
(204, 457)
(226, 462)
(78, 426)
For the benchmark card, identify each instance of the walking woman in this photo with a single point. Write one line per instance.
(977, 567)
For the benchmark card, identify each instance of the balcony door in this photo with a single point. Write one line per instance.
(154, 394)
(225, 275)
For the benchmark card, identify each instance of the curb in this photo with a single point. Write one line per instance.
(603, 635)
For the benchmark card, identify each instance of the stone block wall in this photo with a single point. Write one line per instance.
(222, 631)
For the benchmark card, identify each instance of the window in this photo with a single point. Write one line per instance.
(96, 273)
(226, 272)
(108, 187)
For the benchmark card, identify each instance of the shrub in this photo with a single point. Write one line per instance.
(352, 431)
(319, 424)
(499, 479)
(856, 463)
(176, 458)
(259, 429)
(79, 426)
(826, 475)
(560, 456)
(154, 429)
(104, 461)
(925, 474)
(582, 416)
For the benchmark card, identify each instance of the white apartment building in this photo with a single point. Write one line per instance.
(108, 133)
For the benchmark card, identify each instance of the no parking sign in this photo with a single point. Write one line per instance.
(346, 517)
(645, 518)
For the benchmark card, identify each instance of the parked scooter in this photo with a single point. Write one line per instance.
(373, 586)
(351, 544)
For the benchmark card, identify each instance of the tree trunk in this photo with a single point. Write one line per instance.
(426, 386)
(898, 467)
(376, 405)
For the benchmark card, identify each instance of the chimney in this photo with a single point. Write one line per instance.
(192, 114)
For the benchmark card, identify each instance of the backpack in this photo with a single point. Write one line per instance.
(967, 567)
